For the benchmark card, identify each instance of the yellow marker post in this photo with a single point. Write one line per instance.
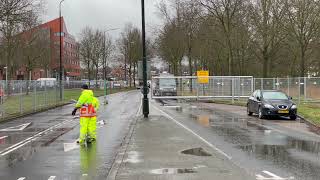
(203, 77)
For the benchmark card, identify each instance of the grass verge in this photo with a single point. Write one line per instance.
(23, 105)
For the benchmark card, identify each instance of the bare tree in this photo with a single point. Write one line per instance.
(13, 14)
(225, 11)
(171, 38)
(86, 50)
(267, 19)
(304, 24)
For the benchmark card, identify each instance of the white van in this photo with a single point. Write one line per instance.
(49, 82)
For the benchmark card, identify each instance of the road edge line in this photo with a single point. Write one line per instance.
(192, 132)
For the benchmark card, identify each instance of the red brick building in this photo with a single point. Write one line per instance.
(70, 55)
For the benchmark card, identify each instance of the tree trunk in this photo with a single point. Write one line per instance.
(130, 74)
(97, 72)
(88, 66)
(302, 61)
(134, 74)
(265, 62)
(190, 70)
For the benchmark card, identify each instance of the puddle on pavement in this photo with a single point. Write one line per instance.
(173, 171)
(196, 152)
(288, 143)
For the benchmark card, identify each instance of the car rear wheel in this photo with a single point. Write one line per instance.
(293, 117)
(261, 116)
(248, 111)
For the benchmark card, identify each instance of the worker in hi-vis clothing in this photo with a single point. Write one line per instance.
(88, 106)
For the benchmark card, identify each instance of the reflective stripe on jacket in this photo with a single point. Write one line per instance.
(88, 111)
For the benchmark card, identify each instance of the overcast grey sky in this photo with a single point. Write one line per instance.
(103, 14)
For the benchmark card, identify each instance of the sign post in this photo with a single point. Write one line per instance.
(203, 77)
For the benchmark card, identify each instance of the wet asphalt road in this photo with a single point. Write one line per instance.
(39, 152)
(288, 149)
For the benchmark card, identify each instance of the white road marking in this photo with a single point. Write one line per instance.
(70, 146)
(84, 174)
(22, 178)
(169, 106)
(30, 139)
(140, 106)
(101, 122)
(16, 128)
(195, 134)
(52, 177)
(271, 176)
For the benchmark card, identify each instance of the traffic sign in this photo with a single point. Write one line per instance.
(203, 77)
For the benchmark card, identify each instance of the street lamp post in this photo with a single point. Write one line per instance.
(145, 86)
(60, 35)
(105, 64)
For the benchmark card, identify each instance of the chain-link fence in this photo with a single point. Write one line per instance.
(24, 97)
(190, 88)
(233, 87)
(300, 88)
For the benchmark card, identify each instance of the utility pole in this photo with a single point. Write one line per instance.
(145, 83)
(105, 64)
(60, 35)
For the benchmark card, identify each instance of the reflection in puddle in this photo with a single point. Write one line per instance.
(172, 171)
(204, 120)
(290, 143)
(196, 152)
(296, 155)
(133, 157)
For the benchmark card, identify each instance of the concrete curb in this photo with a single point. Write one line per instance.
(117, 162)
(310, 123)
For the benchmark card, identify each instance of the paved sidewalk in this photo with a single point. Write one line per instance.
(152, 151)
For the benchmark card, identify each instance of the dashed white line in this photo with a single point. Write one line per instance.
(272, 175)
(22, 178)
(140, 106)
(52, 177)
(30, 139)
(195, 134)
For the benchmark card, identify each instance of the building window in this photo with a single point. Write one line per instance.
(58, 34)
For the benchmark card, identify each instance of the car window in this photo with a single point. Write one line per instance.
(275, 95)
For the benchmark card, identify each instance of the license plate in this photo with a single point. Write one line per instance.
(283, 111)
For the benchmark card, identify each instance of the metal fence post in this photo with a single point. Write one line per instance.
(213, 94)
(253, 84)
(299, 91)
(288, 84)
(45, 94)
(197, 90)
(21, 110)
(305, 88)
(34, 97)
(261, 81)
(232, 89)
